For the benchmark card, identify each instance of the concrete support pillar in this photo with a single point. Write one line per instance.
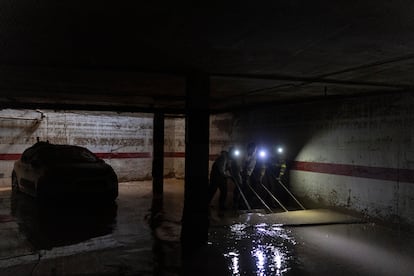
(194, 231)
(158, 163)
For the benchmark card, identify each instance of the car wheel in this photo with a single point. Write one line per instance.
(15, 183)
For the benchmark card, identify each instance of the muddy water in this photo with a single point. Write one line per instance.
(340, 249)
(354, 249)
(255, 250)
(235, 247)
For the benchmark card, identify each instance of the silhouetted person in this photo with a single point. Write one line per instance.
(218, 179)
(235, 172)
(247, 167)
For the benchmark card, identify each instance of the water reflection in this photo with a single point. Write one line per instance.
(234, 262)
(256, 250)
(56, 224)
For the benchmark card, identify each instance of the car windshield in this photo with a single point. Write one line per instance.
(66, 155)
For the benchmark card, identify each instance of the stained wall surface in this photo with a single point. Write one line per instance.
(356, 154)
(124, 140)
(174, 147)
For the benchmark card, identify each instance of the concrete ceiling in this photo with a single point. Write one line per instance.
(122, 56)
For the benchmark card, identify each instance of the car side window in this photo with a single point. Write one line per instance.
(35, 160)
(27, 155)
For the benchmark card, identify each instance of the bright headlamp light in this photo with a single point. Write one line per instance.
(236, 153)
(262, 154)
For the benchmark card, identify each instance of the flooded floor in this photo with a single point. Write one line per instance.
(77, 238)
(118, 240)
(335, 249)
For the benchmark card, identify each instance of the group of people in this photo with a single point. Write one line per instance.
(239, 170)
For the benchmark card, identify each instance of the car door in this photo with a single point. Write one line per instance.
(28, 167)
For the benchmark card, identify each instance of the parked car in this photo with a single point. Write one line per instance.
(51, 171)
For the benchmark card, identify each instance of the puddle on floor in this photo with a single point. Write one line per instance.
(263, 249)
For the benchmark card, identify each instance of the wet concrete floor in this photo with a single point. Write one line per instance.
(117, 240)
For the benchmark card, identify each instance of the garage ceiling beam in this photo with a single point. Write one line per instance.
(368, 65)
(89, 107)
(311, 80)
(317, 98)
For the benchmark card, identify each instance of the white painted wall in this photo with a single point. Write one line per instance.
(104, 132)
(221, 132)
(100, 132)
(174, 147)
(220, 139)
(373, 133)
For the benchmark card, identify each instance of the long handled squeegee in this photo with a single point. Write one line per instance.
(278, 202)
(261, 200)
(241, 193)
(287, 190)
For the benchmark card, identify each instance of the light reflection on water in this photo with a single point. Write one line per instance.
(234, 259)
(261, 249)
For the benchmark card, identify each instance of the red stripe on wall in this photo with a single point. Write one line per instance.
(122, 155)
(9, 156)
(6, 218)
(182, 155)
(381, 173)
(104, 155)
(115, 155)
(213, 157)
(174, 154)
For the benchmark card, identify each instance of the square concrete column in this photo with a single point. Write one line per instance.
(157, 163)
(194, 231)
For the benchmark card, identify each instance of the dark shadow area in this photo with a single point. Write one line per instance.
(59, 223)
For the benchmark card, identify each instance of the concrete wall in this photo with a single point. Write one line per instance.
(123, 140)
(221, 132)
(174, 147)
(220, 139)
(356, 154)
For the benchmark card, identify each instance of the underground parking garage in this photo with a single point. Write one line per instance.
(340, 196)
(158, 92)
